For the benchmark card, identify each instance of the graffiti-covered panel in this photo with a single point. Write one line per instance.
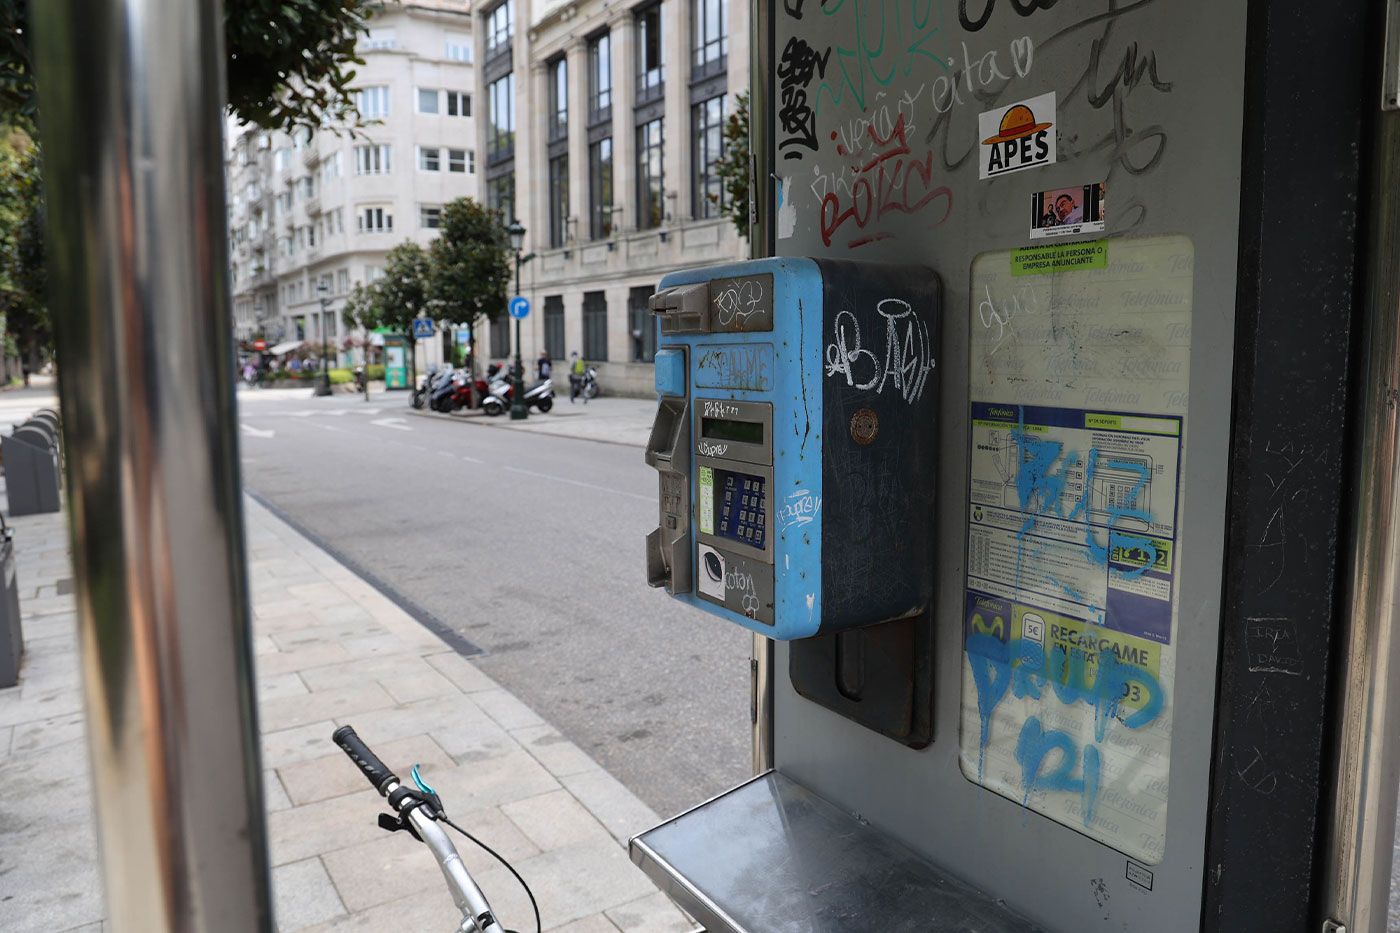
(1079, 378)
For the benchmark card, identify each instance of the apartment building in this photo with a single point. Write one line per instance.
(307, 210)
(602, 123)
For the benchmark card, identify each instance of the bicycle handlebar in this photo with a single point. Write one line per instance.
(375, 771)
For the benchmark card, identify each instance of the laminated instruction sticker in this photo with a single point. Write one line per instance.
(1077, 442)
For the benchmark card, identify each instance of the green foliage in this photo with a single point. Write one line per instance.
(374, 371)
(471, 264)
(394, 300)
(340, 377)
(732, 167)
(22, 273)
(289, 61)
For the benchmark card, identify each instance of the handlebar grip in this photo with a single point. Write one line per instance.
(367, 761)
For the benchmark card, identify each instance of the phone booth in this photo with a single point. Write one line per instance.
(1035, 447)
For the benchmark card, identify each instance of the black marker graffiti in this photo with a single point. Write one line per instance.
(795, 71)
(1023, 7)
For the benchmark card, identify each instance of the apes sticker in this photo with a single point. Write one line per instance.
(1017, 137)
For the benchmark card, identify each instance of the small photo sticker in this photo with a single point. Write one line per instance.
(1017, 137)
(1067, 211)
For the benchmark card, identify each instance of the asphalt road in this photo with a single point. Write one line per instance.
(531, 547)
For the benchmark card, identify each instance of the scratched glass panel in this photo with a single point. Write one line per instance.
(1077, 441)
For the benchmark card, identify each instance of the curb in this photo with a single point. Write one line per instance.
(489, 422)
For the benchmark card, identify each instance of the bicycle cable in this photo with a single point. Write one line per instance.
(509, 867)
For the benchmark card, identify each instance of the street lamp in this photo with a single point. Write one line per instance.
(323, 384)
(518, 409)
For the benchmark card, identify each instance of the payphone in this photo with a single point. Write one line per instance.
(795, 442)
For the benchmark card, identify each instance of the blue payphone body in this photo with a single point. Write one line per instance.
(797, 399)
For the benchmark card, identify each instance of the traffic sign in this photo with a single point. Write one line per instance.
(422, 328)
(519, 307)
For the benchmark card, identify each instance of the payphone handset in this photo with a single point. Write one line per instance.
(795, 442)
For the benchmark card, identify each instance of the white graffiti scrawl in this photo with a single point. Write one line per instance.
(908, 352)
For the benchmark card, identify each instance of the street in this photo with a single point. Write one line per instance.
(531, 547)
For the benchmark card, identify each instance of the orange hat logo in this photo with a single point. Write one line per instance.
(1017, 123)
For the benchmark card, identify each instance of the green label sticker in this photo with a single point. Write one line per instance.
(707, 500)
(1059, 257)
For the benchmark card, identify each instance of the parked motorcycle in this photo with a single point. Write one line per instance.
(441, 389)
(590, 383)
(498, 398)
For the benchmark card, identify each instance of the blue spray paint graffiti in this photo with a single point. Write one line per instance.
(1052, 482)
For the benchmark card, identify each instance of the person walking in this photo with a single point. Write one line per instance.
(543, 367)
(576, 371)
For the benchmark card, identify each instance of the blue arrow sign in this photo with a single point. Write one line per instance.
(519, 307)
(422, 328)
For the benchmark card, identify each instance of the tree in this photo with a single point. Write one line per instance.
(732, 167)
(471, 264)
(22, 275)
(289, 61)
(393, 301)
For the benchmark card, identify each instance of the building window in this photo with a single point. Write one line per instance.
(500, 338)
(708, 190)
(599, 77)
(558, 200)
(342, 281)
(710, 32)
(500, 195)
(600, 188)
(650, 176)
(500, 130)
(554, 326)
(281, 158)
(457, 160)
(380, 39)
(330, 167)
(427, 100)
(558, 98)
(642, 324)
(650, 74)
(372, 102)
(376, 220)
(429, 159)
(373, 160)
(457, 47)
(429, 217)
(500, 24)
(595, 326)
(459, 104)
(373, 274)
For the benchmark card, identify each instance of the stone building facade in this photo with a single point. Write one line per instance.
(600, 123)
(325, 209)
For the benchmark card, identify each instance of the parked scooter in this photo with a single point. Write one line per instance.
(590, 383)
(498, 399)
(441, 389)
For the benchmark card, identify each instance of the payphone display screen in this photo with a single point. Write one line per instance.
(729, 429)
(740, 507)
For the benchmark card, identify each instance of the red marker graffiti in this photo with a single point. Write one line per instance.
(890, 181)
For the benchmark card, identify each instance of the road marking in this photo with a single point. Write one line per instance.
(256, 432)
(396, 423)
(472, 459)
(574, 482)
(327, 427)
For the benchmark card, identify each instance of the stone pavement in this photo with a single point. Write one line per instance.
(330, 650)
(610, 420)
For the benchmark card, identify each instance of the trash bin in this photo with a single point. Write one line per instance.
(11, 633)
(31, 468)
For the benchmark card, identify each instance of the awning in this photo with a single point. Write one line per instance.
(286, 346)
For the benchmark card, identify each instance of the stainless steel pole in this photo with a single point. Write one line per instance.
(761, 198)
(131, 99)
(1361, 827)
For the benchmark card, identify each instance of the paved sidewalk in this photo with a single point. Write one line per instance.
(330, 650)
(611, 420)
